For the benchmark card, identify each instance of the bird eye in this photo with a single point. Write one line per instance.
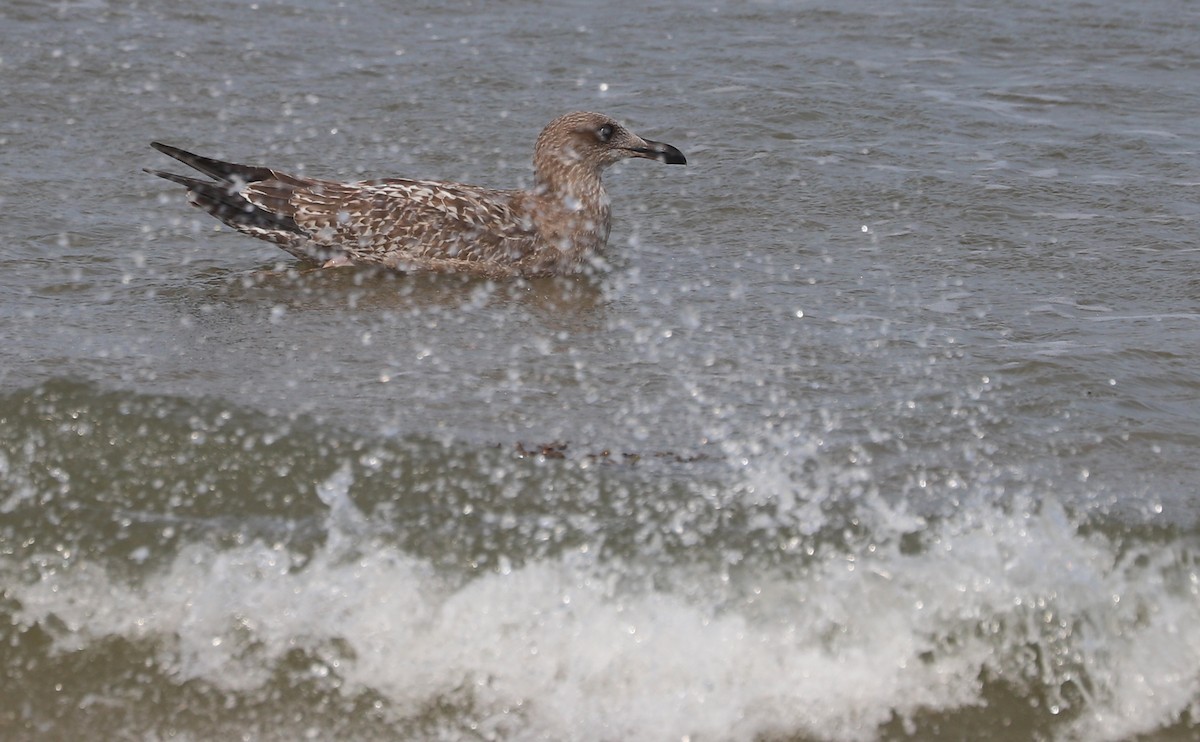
(604, 133)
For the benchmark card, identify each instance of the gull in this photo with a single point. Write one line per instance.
(556, 227)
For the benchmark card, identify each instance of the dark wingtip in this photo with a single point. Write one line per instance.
(187, 158)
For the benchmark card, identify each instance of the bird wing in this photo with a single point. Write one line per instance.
(396, 221)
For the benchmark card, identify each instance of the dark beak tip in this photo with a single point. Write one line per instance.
(664, 153)
(669, 155)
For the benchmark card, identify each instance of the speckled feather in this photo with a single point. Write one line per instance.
(555, 227)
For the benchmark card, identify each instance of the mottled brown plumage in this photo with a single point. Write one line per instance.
(553, 228)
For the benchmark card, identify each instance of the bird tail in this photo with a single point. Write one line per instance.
(222, 197)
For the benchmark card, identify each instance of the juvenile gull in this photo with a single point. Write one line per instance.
(553, 228)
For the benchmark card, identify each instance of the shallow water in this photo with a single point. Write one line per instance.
(881, 424)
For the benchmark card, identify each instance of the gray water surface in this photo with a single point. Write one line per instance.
(881, 424)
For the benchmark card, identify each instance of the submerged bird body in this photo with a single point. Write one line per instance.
(553, 228)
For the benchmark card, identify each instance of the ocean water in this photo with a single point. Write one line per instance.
(881, 423)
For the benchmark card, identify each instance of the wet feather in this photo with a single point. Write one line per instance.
(555, 227)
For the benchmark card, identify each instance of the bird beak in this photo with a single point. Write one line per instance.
(659, 151)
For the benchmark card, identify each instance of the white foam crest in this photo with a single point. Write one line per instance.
(1113, 621)
(566, 648)
(1118, 626)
